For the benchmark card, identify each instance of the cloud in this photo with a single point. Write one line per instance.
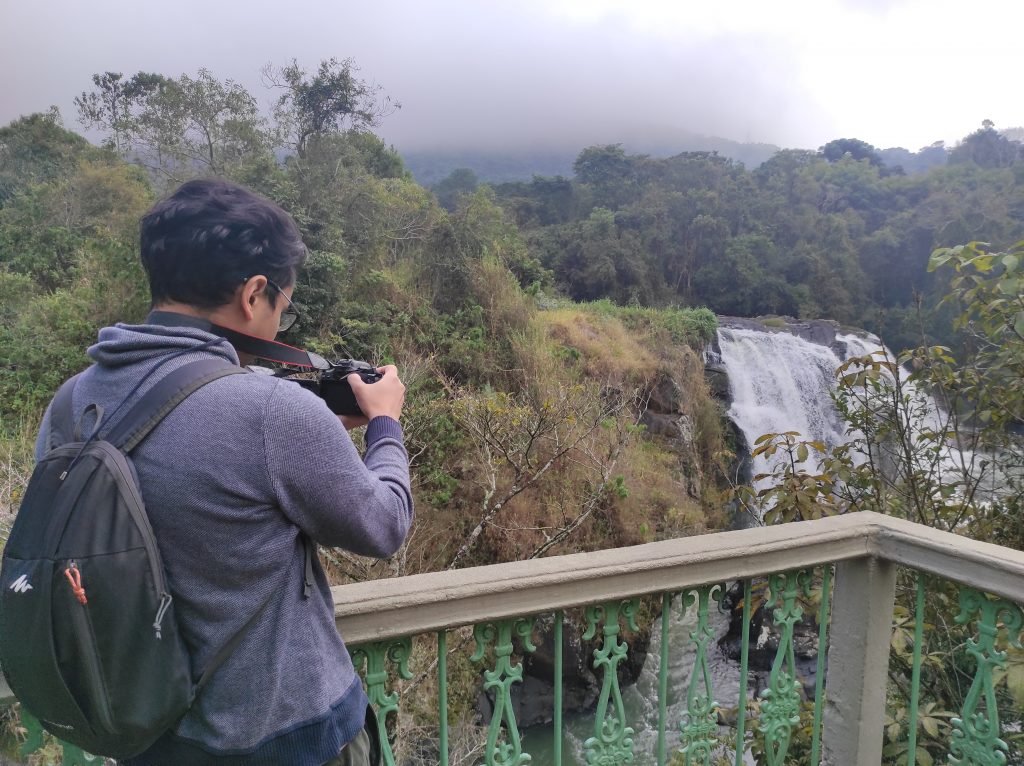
(563, 72)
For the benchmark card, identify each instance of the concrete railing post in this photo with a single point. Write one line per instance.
(858, 662)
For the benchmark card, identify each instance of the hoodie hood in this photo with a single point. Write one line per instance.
(123, 344)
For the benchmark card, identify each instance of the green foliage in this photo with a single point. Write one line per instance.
(986, 148)
(987, 291)
(115, 104)
(795, 493)
(858, 150)
(691, 327)
(37, 149)
(448, 190)
(330, 101)
(834, 234)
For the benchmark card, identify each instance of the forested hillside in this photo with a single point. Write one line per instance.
(836, 233)
(525, 427)
(525, 404)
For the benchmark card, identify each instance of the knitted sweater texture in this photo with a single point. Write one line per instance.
(231, 478)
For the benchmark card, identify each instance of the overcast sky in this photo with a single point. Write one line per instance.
(571, 73)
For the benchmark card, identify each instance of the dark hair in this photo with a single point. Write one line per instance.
(200, 243)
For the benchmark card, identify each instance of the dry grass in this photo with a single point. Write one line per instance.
(16, 463)
(660, 503)
(605, 349)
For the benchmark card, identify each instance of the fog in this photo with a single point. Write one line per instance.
(563, 73)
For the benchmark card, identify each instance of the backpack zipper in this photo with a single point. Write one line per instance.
(86, 640)
(75, 578)
(165, 602)
(110, 454)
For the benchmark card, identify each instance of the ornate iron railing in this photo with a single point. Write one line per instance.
(841, 571)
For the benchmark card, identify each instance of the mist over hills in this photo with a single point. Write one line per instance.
(511, 163)
(498, 165)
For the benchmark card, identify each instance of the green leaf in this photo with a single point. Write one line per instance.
(1015, 683)
(1009, 286)
(1018, 324)
(801, 453)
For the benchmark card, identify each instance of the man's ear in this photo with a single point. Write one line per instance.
(248, 295)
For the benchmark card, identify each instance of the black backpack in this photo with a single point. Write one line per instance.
(88, 638)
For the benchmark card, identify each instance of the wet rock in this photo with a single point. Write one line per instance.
(662, 425)
(764, 638)
(533, 699)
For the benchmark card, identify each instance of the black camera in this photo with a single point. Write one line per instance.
(331, 384)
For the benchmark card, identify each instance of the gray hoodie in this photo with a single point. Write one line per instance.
(230, 479)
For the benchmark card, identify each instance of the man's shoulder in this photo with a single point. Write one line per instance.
(277, 396)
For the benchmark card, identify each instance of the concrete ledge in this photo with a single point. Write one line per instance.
(423, 603)
(987, 567)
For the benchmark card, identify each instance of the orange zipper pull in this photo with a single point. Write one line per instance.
(75, 578)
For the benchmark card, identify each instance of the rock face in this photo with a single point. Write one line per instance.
(764, 640)
(665, 418)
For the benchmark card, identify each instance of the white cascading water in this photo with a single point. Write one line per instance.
(780, 382)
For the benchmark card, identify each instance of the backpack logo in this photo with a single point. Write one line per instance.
(21, 585)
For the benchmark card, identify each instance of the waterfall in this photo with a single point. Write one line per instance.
(781, 382)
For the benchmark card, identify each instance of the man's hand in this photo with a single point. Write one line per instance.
(385, 397)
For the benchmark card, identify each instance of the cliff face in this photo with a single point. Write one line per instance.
(670, 471)
(664, 482)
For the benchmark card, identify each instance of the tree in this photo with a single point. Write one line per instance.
(459, 182)
(988, 291)
(835, 150)
(115, 103)
(332, 100)
(608, 173)
(178, 128)
(986, 148)
(36, 149)
(199, 126)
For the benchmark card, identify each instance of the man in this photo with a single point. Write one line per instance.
(236, 477)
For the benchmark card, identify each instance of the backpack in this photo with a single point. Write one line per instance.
(88, 638)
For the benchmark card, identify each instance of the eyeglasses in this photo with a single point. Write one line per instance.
(290, 315)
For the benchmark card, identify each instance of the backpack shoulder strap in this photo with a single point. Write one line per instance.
(163, 397)
(62, 416)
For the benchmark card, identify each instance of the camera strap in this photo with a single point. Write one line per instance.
(269, 350)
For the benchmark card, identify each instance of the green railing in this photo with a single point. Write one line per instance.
(841, 572)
